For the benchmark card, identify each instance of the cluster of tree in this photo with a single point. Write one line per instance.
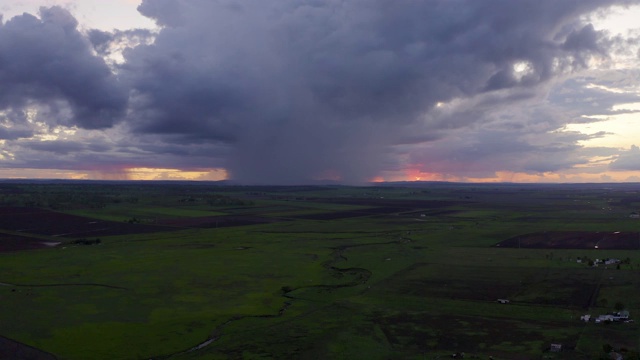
(223, 200)
(591, 262)
(216, 200)
(64, 196)
(619, 306)
(97, 195)
(96, 241)
(610, 353)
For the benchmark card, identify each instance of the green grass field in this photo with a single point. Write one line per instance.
(402, 273)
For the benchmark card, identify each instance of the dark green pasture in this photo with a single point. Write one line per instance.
(409, 271)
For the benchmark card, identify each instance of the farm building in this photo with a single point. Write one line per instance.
(617, 316)
(615, 356)
(556, 347)
(603, 318)
(503, 301)
(606, 261)
(621, 315)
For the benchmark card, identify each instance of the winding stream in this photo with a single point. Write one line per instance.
(361, 276)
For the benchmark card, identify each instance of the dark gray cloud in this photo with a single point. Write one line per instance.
(47, 60)
(628, 160)
(298, 89)
(108, 43)
(11, 134)
(483, 153)
(289, 91)
(65, 147)
(589, 96)
(14, 125)
(585, 39)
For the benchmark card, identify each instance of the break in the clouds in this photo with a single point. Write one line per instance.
(290, 91)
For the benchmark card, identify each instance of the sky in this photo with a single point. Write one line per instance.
(301, 91)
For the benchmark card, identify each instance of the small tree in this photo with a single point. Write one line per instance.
(603, 302)
(619, 306)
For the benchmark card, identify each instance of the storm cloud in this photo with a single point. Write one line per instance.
(290, 91)
(300, 90)
(47, 61)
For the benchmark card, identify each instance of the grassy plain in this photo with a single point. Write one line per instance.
(410, 271)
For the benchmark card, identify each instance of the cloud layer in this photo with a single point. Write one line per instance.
(290, 91)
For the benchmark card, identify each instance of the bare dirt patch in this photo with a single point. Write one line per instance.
(9, 243)
(380, 206)
(351, 213)
(217, 221)
(11, 349)
(51, 223)
(382, 202)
